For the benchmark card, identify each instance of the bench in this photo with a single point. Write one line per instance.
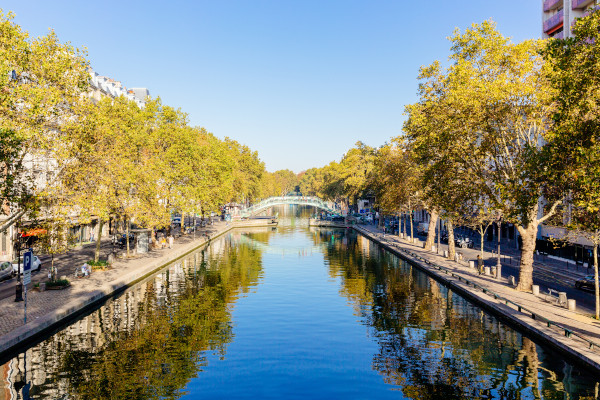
(559, 297)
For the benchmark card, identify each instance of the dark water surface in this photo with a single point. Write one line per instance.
(285, 314)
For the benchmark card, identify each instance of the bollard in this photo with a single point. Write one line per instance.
(562, 298)
(571, 304)
(446, 253)
(42, 286)
(535, 289)
(472, 264)
(486, 271)
(434, 248)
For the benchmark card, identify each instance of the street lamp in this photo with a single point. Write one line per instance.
(17, 248)
(499, 263)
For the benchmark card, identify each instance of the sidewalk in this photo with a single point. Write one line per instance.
(47, 308)
(530, 313)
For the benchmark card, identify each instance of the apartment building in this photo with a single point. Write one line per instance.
(558, 16)
(42, 169)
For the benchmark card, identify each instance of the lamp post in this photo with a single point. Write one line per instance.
(17, 248)
(499, 263)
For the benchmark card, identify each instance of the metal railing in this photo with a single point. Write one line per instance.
(553, 21)
(575, 4)
(283, 200)
(552, 4)
(567, 332)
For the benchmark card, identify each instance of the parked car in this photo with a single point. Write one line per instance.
(422, 228)
(585, 283)
(444, 237)
(121, 240)
(6, 270)
(463, 241)
(36, 265)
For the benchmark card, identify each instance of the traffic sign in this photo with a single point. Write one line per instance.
(27, 261)
(27, 277)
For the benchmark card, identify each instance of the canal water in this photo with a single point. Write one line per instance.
(291, 313)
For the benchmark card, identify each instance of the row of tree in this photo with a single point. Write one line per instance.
(66, 156)
(506, 132)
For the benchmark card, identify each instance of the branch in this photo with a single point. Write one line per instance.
(551, 212)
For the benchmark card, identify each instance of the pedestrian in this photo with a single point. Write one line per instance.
(171, 238)
(163, 242)
(480, 264)
(91, 236)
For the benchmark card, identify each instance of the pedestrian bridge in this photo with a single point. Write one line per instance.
(283, 200)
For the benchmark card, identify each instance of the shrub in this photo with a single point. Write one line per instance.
(58, 282)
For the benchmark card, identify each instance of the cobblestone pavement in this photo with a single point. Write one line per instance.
(45, 308)
(579, 322)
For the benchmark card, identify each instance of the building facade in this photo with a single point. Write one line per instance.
(42, 170)
(558, 16)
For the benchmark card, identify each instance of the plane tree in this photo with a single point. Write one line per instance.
(574, 144)
(497, 103)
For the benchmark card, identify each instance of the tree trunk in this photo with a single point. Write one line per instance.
(404, 226)
(431, 232)
(596, 287)
(98, 239)
(127, 235)
(182, 224)
(528, 236)
(451, 245)
(412, 240)
(482, 231)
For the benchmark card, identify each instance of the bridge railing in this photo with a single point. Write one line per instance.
(276, 200)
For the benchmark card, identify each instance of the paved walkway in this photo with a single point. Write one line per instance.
(535, 311)
(46, 308)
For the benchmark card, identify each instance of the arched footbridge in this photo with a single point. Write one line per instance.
(283, 200)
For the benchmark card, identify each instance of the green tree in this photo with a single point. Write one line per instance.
(574, 151)
(496, 101)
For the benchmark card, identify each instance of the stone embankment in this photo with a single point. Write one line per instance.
(573, 334)
(49, 309)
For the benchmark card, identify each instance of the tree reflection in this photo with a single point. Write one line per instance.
(149, 342)
(433, 343)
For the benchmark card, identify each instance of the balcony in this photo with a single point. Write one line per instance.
(579, 4)
(554, 21)
(552, 4)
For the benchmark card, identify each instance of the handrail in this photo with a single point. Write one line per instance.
(275, 200)
(567, 332)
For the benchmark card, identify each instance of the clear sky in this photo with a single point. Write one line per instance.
(299, 81)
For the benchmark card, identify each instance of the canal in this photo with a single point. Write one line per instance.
(286, 313)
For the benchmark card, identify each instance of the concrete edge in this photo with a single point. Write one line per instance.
(522, 321)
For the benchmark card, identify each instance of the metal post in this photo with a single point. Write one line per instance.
(499, 263)
(19, 285)
(439, 230)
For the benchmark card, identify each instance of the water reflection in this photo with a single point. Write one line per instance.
(433, 343)
(176, 334)
(149, 342)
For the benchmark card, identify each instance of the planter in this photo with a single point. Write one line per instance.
(57, 287)
(60, 287)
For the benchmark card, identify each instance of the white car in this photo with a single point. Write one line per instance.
(6, 270)
(36, 265)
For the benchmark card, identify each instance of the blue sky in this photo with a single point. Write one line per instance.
(298, 81)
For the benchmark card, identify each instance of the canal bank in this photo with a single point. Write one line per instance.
(575, 335)
(50, 309)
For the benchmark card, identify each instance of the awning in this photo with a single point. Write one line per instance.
(33, 232)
